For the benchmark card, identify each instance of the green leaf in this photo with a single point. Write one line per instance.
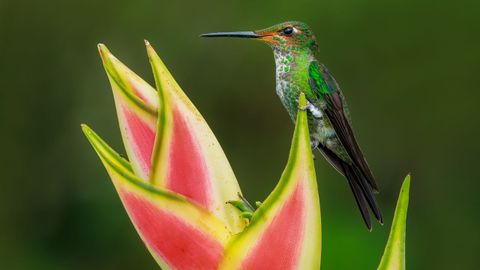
(394, 255)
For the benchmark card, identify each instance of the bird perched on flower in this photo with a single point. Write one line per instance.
(298, 70)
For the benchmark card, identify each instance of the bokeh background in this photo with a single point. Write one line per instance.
(410, 71)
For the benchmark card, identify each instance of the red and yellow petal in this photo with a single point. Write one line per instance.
(179, 233)
(137, 104)
(285, 231)
(187, 158)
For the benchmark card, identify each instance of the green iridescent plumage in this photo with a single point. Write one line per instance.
(299, 71)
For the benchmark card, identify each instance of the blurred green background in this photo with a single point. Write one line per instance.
(409, 70)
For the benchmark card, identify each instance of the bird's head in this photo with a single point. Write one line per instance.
(284, 36)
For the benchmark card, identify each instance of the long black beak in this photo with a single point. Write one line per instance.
(244, 34)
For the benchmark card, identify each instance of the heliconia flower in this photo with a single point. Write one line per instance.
(180, 191)
(170, 145)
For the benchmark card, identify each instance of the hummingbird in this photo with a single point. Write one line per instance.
(298, 70)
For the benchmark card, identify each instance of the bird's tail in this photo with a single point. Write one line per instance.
(359, 184)
(363, 193)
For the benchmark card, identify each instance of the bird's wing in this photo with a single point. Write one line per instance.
(327, 90)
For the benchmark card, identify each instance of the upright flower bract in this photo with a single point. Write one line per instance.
(177, 182)
(285, 231)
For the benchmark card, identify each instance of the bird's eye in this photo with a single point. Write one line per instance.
(287, 30)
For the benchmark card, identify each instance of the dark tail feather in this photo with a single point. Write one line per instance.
(360, 199)
(368, 192)
(361, 188)
(363, 193)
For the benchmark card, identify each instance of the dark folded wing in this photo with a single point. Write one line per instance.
(326, 88)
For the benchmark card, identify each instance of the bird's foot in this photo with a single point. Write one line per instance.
(316, 112)
(303, 108)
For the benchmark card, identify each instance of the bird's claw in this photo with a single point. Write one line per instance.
(303, 108)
